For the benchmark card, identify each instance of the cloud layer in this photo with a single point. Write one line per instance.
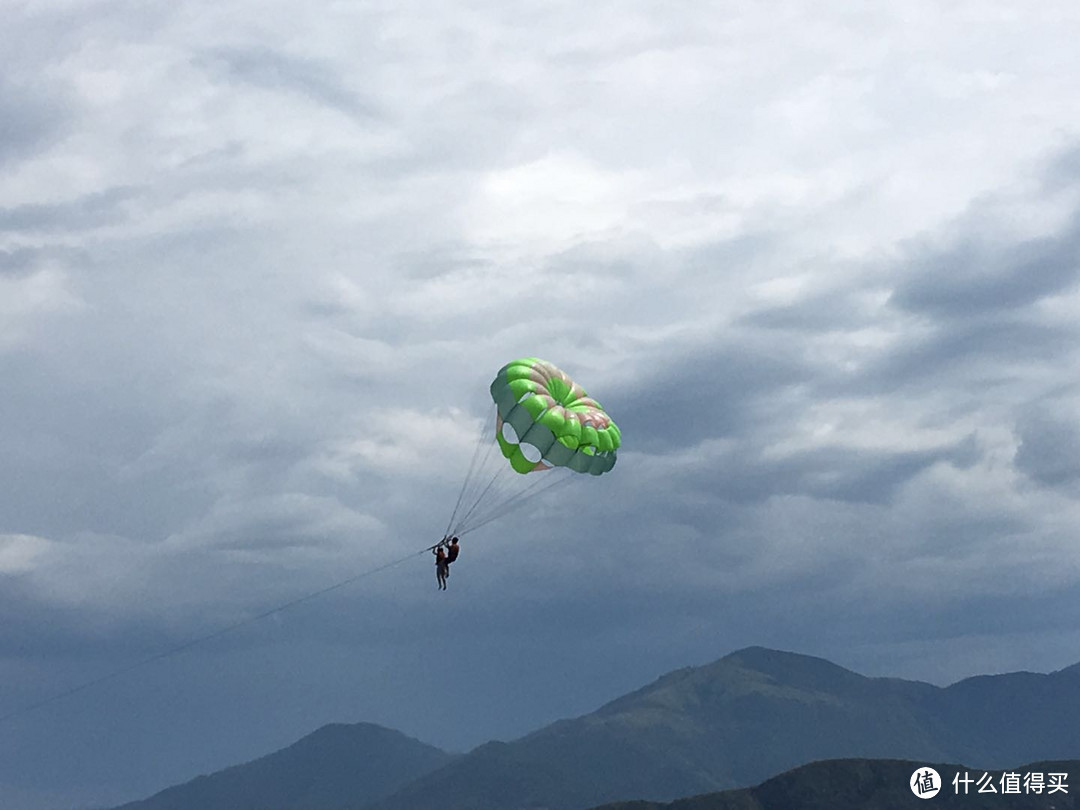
(258, 268)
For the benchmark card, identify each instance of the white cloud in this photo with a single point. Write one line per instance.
(27, 302)
(550, 203)
(18, 552)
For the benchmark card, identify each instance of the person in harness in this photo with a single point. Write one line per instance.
(442, 568)
(445, 551)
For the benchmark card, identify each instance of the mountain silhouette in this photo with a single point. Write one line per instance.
(865, 784)
(336, 766)
(731, 724)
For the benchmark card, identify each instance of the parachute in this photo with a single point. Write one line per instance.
(546, 420)
(544, 423)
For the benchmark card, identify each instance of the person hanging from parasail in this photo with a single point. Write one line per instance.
(544, 421)
(442, 568)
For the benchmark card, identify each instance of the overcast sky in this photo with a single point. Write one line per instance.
(259, 264)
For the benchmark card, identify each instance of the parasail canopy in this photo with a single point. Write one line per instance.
(545, 420)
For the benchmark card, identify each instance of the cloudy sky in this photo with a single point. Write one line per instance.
(258, 265)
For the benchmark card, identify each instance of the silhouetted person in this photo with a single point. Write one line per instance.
(442, 567)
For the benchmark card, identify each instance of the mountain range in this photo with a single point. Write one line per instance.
(734, 723)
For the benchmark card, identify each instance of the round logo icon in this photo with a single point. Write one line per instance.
(925, 783)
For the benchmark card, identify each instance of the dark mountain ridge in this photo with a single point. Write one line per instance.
(332, 767)
(733, 723)
(860, 784)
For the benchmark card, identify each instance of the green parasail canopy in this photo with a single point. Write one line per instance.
(545, 420)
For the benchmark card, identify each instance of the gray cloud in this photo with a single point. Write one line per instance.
(90, 211)
(702, 394)
(278, 71)
(988, 353)
(1049, 445)
(21, 262)
(973, 278)
(33, 117)
(829, 311)
(1063, 171)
